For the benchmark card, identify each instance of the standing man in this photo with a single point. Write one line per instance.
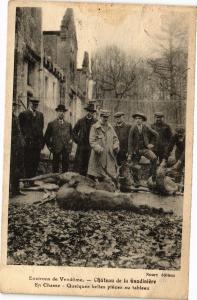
(58, 138)
(140, 143)
(17, 154)
(105, 146)
(81, 132)
(165, 135)
(122, 130)
(31, 123)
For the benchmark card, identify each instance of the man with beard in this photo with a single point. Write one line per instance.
(165, 135)
(31, 123)
(58, 138)
(81, 132)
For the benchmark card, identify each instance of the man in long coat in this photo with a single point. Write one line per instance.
(105, 145)
(140, 143)
(17, 154)
(81, 132)
(165, 135)
(31, 123)
(58, 138)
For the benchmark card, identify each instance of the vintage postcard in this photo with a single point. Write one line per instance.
(98, 149)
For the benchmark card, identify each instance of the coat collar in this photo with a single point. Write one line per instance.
(99, 125)
(120, 125)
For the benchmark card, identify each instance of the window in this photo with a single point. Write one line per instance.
(46, 83)
(30, 73)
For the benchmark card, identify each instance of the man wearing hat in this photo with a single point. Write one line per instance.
(165, 135)
(81, 132)
(140, 143)
(31, 123)
(105, 146)
(122, 130)
(58, 138)
(17, 154)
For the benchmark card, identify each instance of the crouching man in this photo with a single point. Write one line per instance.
(178, 163)
(140, 144)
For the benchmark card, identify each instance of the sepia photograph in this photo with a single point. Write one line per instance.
(98, 131)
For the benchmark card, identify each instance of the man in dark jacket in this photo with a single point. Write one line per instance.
(165, 135)
(81, 132)
(31, 123)
(58, 138)
(17, 154)
(140, 143)
(122, 130)
(178, 140)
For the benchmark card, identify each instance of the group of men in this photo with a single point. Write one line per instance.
(101, 147)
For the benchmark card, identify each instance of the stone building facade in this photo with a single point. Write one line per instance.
(34, 73)
(27, 64)
(61, 46)
(46, 65)
(53, 89)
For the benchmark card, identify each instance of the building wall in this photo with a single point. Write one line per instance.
(50, 42)
(28, 26)
(28, 37)
(51, 96)
(76, 110)
(61, 46)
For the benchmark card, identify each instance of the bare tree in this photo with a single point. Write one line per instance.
(113, 71)
(170, 68)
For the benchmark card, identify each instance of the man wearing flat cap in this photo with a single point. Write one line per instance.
(140, 143)
(31, 123)
(104, 145)
(58, 138)
(122, 130)
(165, 135)
(81, 133)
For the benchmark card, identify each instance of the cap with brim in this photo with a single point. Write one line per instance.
(159, 114)
(119, 114)
(104, 113)
(34, 100)
(61, 107)
(90, 107)
(141, 115)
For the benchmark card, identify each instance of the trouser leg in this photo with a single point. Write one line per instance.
(65, 160)
(29, 162)
(135, 168)
(153, 161)
(14, 177)
(56, 160)
(35, 161)
(82, 161)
